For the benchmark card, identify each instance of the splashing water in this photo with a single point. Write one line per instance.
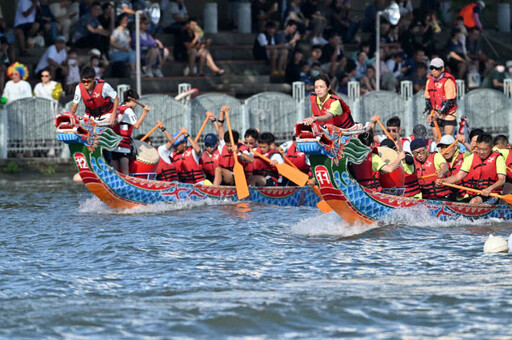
(329, 224)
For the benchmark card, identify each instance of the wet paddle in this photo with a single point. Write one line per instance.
(436, 126)
(149, 133)
(242, 190)
(294, 175)
(388, 135)
(322, 205)
(208, 114)
(506, 198)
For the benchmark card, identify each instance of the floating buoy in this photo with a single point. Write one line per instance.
(495, 244)
(510, 243)
(77, 178)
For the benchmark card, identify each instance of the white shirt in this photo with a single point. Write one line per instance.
(45, 90)
(74, 72)
(14, 91)
(23, 6)
(52, 53)
(169, 9)
(128, 117)
(165, 154)
(107, 91)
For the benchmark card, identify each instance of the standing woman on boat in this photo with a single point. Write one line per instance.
(327, 107)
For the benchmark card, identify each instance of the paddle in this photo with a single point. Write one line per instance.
(442, 154)
(436, 126)
(136, 102)
(150, 132)
(506, 198)
(294, 175)
(242, 190)
(322, 205)
(208, 115)
(388, 135)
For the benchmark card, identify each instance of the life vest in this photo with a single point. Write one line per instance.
(298, 158)
(456, 163)
(186, 166)
(261, 167)
(364, 173)
(405, 139)
(166, 172)
(482, 173)
(226, 159)
(210, 162)
(428, 185)
(343, 121)
(437, 93)
(467, 15)
(508, 162)
(411, 185)
(123, 129)
(95, 104)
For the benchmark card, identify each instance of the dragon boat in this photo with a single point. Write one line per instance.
(86, 143)
(331, 149)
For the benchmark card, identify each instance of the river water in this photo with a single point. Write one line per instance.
(71, 267)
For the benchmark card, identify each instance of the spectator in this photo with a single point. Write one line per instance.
(343, 21)
(89, 33)
(64, 16)
(494, 80)
(47, 23)
(293, 12)
(316, 55)
(174, 15)
(294, 67)
(370, 13)
(417, 58)
(48, 88)
(397, 65)
(84, 7)
(347, 76)
(25, 25)
(73, 77)
(471, 15)
(265, 49)
(457, 59)
(306, 76)
(332, 53)
(17, 87)
(369, 81)
(5, 61)
(197, 50)
(474, 52)
(419, 77)
(263, 11)
(120, 44)
(289, 36)
(311, 11)
(153, 52)
(106, 17)
(98, 62)
(55, 59)
(361, 64)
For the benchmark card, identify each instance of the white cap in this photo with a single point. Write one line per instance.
(437, 62)
(446, 140)
(481, 3)
(95, 52)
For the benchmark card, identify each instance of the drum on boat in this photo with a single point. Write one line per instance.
(393, 179)
(145, 162)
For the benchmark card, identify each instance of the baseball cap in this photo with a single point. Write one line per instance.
(419, 131)
(95, 52)
(446, 140)
(179, 140)
(210, 139)
(418, 143)
(437, 62)
(60, 38)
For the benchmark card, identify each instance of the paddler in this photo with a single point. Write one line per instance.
(327, 107)
(298, 159)
(502, 145)
(483, 170)
(127, 122)
(393, 128)
(166, 169)
(429, 163)
(419, 131)
(265, 174)
(211, 156)
(453, 156)
(441, 96)
(187, 159)
(368, 172)
(99, 98)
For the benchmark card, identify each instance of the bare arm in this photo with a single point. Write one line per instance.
(142, 117)
(73, 108)
(393, 165)
(323, 118)
(113, 113)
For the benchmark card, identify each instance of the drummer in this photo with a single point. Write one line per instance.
(127, 121)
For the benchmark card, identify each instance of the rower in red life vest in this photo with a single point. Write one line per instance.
(327, 107)
(251, 141)
(484, 170)
(99, 98)
(428, 163)
(441, 96)
(453, 157)
(298, 158)
(368, 172)
(166, 169)
(127, 121)
(211, 156)
(265, 174)
(502, 145)
(187, 159)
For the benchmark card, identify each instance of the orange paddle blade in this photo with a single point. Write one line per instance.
(242, 190)
(294, 175)
(322, 205)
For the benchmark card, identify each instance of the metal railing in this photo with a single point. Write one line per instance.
(26, 125)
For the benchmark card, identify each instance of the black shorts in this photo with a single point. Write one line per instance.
(444, 122)
(25, 27)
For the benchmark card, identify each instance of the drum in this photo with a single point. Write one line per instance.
(145, 162)
(393, 179)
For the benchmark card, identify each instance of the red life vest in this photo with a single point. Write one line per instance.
(437, 93)
(210, 162)
(482, 173)
(298, 158)
(95, 104)
(123, 129)
(411, 185)
(188, 169)
(427, 185)
(261, 167)
(226, 159)
(343, 121)
(456, 164)
(166, 172)
(467, 15)
(365, 175)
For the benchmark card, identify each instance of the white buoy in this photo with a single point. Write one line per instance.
(495, 244)
(510, 243)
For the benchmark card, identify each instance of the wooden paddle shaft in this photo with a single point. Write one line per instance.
(436, 126)
(136, 102)
(474, 190)
(449, 147)
(387, 134)
(149, 133)
(201, 129)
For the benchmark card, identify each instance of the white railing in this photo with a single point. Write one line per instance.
(27, 124)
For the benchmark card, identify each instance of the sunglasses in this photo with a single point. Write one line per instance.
(209, 145)
(435, 68)
(392, 130)
(86, 81)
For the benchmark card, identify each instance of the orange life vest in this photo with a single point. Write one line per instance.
(261, 167)
(186, 166)
(456, 164)
(210, 162)
(298, 158)
(482, 173)
(467, 15)
(95, 104)
(411, 185)
(365, 175)
(226, 159)
(437, 93)
(427, 185)
(166, 172)
(343, 121)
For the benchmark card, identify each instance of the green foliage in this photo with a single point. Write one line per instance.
(11, 168)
